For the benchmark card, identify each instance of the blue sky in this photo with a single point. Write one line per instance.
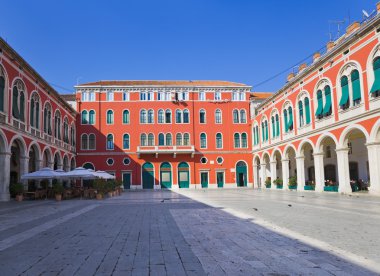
(238, 40)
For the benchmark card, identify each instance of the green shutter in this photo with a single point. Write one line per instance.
(277, 126)
(300, 110)
(266, 131)
(273, 128)
(345, 93)
(290, 123)
(320, 103)
(356, 95)
(286, 121)
(307, 110)
(327, 107)
(262, 132)
(376, 69)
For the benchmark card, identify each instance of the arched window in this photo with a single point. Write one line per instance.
(218, 116)
(286, 121)
(202, 116)
(277, 126)
(150, 116)
(237, 140)
(143, 141)
(273, 127)
(203, 140)
(219, 141)
(161, 116)
(18, 101)
(168, 139)
(186, 139)
(126, 141)
(243, 117)
(35, 111)
(344, 102)
(319, 111)
(290, 122)
(150, 139)
(327, 110)
(109, 96)
(15, 110)
(161, 139)
(2, 91)
(57, 125)
(91, 141)
(266, 130)
(84, 142)
(300, 112)
(109, 117)
(84, 117)
(110, 142)
(307, 110)
(65, 131)
(126, 117)
(47, 119)
(244, 140)
(255, 135)
(72, 135)
(236, 116)
(92, 117)
(168, 116)
(375, 89)
(178, 116)
(178, 139)
(356, 93)
(186, 118)
(143, 116)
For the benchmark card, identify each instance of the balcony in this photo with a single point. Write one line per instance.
(165, 150)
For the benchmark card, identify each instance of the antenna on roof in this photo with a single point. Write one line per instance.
(78, 78)
(367, 15)
(338, 23)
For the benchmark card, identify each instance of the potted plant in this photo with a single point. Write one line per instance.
(278, 182)
(100, 187)
(17, 190)
(292, 183)
(58, 191)
(268, 183)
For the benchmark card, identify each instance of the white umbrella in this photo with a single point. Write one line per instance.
(80, 173)
(105, 175)
(62, 173)
(44, 173)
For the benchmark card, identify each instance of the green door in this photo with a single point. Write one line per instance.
(204, 179)
(183, 175)
(241, 174)
(220, 179)
(127, 181)
(147, 176)
(165, 175)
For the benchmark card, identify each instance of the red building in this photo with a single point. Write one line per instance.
(172, 134)
(37, 127)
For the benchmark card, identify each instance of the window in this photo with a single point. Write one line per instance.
(243, 117)
(307, 110)
(237, 140)
(126, 161)
(349, 145)
(178, 139)
(150, 116)
(110, 161)
(235, 114)
(219, 141)
(34, 111)
(109, 117)
(143, 96)
(47, 119)
(126, 117)
(92, 117)
(264, 131)
(161, 139)
(319, 111)
(168, 116)
(242, 96)
(18, 101)
(203, 140)
(355, 82)
(217, 96)
(344, 102)
(150, 139)
(160, 116)
(218, 116)
(92, 96)
(255, 135)
(219, 160)
(290, 122)
(57, 125)
(109, 96)
(186, 139)
(3, 93)
(326, 109)
(168, 139)
(375, 89)
(178, 116)
(150, 96)
(235, 96)
(126, 141)
(143, 141)
(92, 142)
(204, 160)
(109, 145)
(182, 96)
(72, 134)
(244, 140)
(84, 117)
(84, 96)
(84, 142)
(300, 112)
(143, 116)
(125, 96)
(273, 127)
(186, 118)
(202, 96)
(202, 116)
(65, 131)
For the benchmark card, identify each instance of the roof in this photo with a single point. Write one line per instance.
(261, 95)
(176, 83)
(68, 97)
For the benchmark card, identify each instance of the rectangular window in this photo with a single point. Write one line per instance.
(143, 96)
(125, 96)
(202, 96)
(218, 96)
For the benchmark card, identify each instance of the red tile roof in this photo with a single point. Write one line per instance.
(68, 97)
(163, 83)
(261, 95)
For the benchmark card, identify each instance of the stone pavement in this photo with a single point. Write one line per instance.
(167, 233)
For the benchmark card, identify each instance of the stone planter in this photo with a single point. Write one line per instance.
(293, 187)
(331, 188)
(99, 196)
(309, 188)
(58, 197)
(19, 198)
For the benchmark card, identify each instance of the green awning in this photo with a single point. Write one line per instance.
(307, 110)
(356, 95)
(327, 107)
(345, 93)
(320, 103)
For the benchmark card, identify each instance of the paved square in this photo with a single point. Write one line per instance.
(193, 232)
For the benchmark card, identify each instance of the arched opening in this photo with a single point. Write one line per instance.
(147, 176)
(17, 167)
(4, 167)
(46, 159)
(66, 166)
(256, 172)
(88, 183)
(72, 164)
(165, 175)
(330, 163)
(309, 169)
(276, 170)
(183, 175)
(266, 170)
(241, 174)
(290, 180)
(57, 161)
(33, 166)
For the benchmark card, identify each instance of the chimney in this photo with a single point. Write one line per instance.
(378, 7)
(290, 76)
(316, 56)
(330, 45)
(302, 67)
(353, 27)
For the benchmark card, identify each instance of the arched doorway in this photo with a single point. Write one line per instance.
(88, 182)
(266, 170)
(307, 153)
(72, 163)
(165, 175)
(147, 176)
(329, 164)
(241, 174)
(256, 171)
(57, 161)
(183, 175)
(17, 167)
(46, 159)
(66, 166)
(290, 171)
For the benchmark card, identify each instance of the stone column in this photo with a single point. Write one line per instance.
(5, 161)
(374, 167)
(285, 173)
(24, 166)
(256, 177)
(273, 172)
(300, 161)
(263, 174)
(343, 170)
(319, 171)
